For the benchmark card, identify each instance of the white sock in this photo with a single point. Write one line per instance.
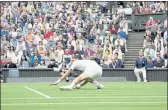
(96, 83)
(72, 85)
(67, 78)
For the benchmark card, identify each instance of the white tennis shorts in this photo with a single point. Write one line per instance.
(94, 72)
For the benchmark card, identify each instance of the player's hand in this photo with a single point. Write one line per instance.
(53, 84)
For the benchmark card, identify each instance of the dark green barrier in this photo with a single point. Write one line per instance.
(152, 74)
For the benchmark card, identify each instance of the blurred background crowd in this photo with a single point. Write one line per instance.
(50, 34)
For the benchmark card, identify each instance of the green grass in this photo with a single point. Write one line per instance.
(115, 96)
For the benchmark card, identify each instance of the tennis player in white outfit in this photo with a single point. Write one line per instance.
(91, 70)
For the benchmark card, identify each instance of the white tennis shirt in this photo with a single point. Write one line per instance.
(83, 64)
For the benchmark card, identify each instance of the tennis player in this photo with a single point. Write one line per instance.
(91, 70)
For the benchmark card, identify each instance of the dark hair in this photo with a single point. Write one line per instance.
(22, 59)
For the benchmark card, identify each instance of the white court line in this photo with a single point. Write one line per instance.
(110, 97)
(72, 103)
(37, 92)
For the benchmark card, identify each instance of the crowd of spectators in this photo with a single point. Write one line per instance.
(49, 34)
(46, 34)
(155, 44)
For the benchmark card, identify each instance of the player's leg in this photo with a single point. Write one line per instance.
(81, 77)
(82, 83)
(94, 82)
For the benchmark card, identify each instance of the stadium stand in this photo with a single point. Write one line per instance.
(46, 34)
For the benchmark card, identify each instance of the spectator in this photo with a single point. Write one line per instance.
(140, 67)
(67, 57)
(113, 29)
(105, 62)
(70, 50)
(3, 61)
(42, 64)
(53, 64)
(60, 50)
(46, 58)
(88, 52)
(120, 54)
(119, 63)
(10, 64)
(112, 62)
(4, 42)
(128, 10)
(121, 33)
(115, 18)
(80, 42)
(150, 52)
(119, 42)
(72, 42)
(58, 58)
(158, 43)
(165, 38)
(11, 53)
(35, 59)
(123, 26)
(120, 10)
(41, 49)
(165, 57)
(158, 62)
(148, 42)
(52, 53)
(29, 37)
(24, 62)
(79, 53)
(91, 38)
(96, 58)
(150, 22)
(149, 62)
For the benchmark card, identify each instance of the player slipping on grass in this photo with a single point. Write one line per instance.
(91, 70)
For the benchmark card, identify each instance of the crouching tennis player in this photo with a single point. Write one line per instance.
(91, 70)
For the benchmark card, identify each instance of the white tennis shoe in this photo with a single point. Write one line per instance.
(100, 86)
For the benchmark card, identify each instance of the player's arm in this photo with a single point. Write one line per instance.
(67, 73)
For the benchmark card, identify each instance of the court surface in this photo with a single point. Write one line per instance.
(115, 96)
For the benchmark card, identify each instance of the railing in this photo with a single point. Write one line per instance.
(152, 74)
